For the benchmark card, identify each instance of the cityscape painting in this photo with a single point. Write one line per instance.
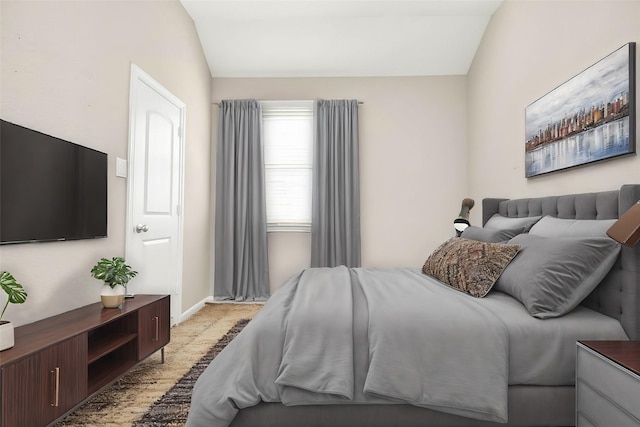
(590, 117)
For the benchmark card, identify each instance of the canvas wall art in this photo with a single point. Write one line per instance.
(589, 118)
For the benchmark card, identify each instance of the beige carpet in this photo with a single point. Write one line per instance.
(130, 397)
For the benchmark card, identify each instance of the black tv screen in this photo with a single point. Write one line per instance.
(50, 189)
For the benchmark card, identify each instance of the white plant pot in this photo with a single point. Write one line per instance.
(112, 297)
(6, 335)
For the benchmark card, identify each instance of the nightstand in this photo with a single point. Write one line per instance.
(608, 384)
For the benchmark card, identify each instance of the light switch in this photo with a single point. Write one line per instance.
(121, 167)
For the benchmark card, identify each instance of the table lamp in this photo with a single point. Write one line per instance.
(626, 230)
(462, 221)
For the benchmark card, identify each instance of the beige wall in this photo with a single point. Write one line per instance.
(529, 48)
(426, 142)
(412, 160)
(65, 71)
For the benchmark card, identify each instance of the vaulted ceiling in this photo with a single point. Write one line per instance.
(326, 38)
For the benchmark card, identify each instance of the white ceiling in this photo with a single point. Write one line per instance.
(328, 38)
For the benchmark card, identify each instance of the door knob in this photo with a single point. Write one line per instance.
(142, 228)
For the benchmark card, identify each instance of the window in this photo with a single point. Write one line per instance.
(288, 158)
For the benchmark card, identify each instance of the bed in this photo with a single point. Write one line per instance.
(398, 347)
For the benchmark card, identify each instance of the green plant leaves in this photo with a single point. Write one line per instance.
(14, 290)
(113, 271)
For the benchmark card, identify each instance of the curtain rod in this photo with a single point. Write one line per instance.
(218, 103)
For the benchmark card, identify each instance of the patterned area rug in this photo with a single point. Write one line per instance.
(127, 400)
(172, 408)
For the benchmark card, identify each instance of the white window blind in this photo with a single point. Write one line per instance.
(288, 158)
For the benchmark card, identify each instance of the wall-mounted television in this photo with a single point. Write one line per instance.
(50, 189)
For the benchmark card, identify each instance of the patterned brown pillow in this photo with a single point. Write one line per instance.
(468, 265)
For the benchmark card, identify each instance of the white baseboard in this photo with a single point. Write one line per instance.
(190, 312)
(234, 302)
(209, 300)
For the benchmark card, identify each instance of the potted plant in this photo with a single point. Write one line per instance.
(15, 295)
(115, 273)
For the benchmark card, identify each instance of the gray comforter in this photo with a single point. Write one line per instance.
(332, 335)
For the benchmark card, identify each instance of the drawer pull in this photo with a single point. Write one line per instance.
(56, 387)
(157, 321)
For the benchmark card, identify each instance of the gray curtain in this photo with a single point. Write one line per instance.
(335, 221)
(241, 265)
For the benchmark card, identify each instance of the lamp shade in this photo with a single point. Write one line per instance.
(626, 230)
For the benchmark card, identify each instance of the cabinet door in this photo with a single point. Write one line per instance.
(68, 371)
(153, 327)
(44, 386)
(26, 393)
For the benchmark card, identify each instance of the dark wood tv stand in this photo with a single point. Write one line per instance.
(60, 362)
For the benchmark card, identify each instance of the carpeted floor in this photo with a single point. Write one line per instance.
(126, 401)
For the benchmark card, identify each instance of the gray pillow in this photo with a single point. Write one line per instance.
(468, 265)
(505, 223)
(551, 276)
(550, 226)
(490, 235)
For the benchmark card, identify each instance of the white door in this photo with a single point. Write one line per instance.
(154, 222)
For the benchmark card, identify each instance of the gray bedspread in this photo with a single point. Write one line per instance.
(332, 335)
(543, 351)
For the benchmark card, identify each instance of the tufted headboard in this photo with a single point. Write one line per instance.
(618, 295)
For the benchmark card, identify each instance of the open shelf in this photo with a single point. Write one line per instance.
(105, 344)
(112, 349)
(108, 368)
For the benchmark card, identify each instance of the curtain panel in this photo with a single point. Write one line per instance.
(241, 263)
(335, 222)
